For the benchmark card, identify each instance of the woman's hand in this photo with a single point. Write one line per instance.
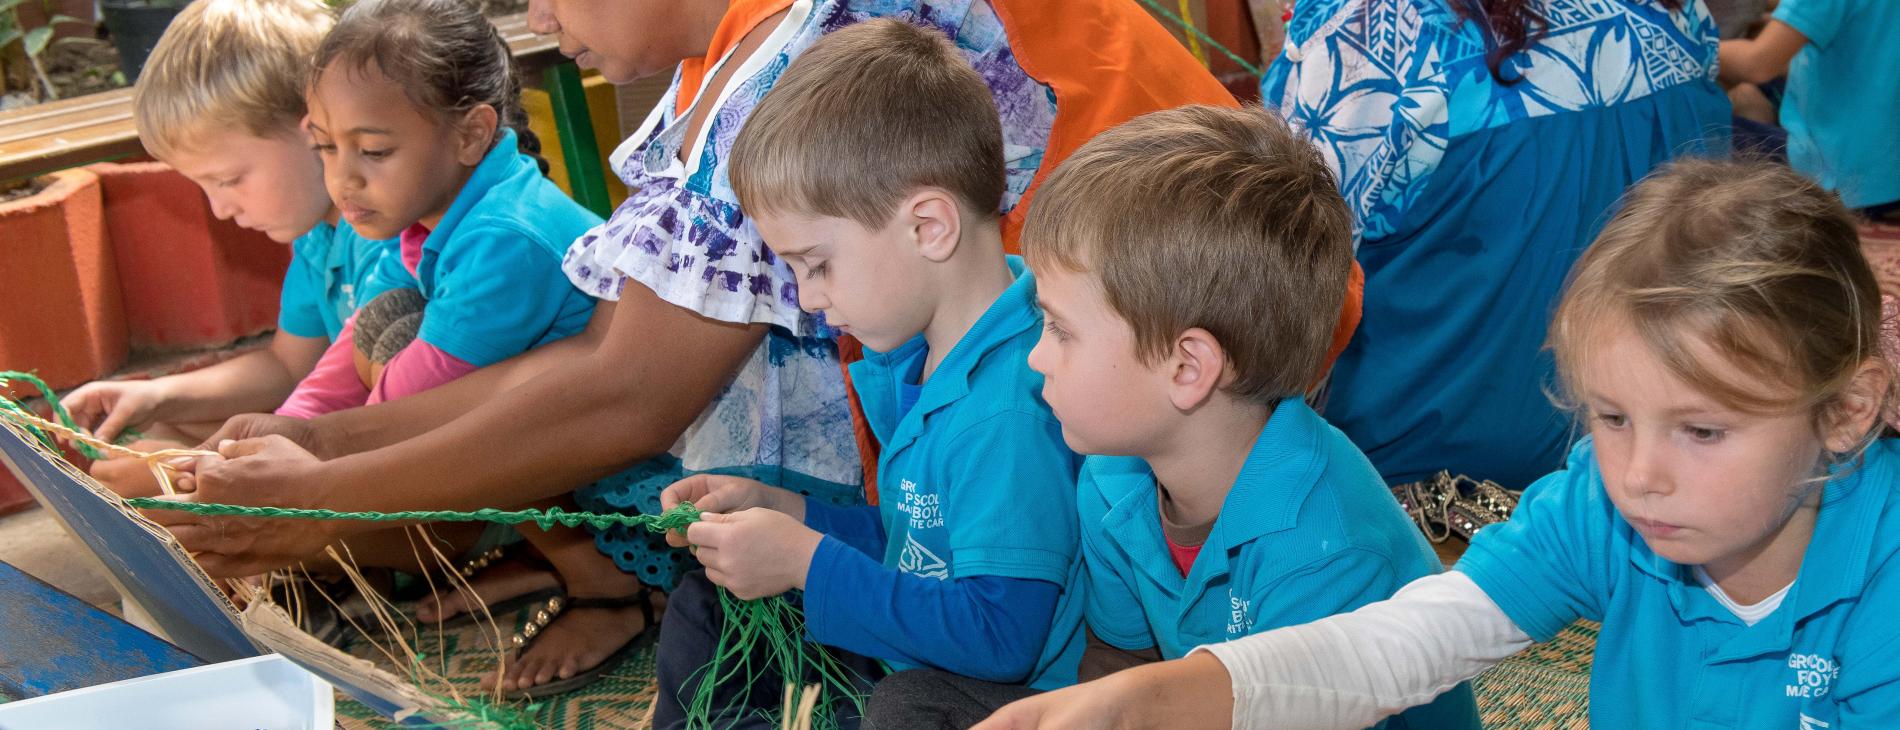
(266, 472)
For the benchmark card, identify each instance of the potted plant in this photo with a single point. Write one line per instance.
(135, 26)
(24, 42)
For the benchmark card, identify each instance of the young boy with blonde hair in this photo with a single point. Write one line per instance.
(875, 169)
(1190, 265)
(222, 102)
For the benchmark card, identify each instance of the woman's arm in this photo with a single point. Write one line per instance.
(572, 418)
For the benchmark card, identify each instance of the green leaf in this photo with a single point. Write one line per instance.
(36, 40)
(58, 19)
(8, 36)
(6, 5)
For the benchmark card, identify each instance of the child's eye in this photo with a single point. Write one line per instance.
(818, 269)
(322, 148)
(1704, 435)
(1055, 330)
(1613, 420)
(231, 183)
(376, 154)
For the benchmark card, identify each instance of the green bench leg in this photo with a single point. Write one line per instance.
(585, 173)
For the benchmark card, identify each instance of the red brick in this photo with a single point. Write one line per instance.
(60, 308)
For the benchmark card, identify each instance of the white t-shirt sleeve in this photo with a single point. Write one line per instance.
(1353, 669)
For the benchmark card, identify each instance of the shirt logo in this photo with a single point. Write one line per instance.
(1809, 723)
(1813, 678)
(918, 560)
(925, 510)
(1238, 621)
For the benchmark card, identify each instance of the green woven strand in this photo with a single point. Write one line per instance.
(674, 519)
(1205, 38)
(59, 411)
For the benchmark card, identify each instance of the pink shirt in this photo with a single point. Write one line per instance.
(333, 385)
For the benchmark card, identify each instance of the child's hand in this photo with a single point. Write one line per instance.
(107, 407)
(131, 477)
(726, 495)
(754, 553)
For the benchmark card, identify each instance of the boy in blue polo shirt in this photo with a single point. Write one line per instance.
(1190, 265)
(233, 130)
(875, 170)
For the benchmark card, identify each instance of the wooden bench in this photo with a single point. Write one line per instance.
(57, 135)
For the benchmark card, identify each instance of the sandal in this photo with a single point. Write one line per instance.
(499, 609)
(553, 609)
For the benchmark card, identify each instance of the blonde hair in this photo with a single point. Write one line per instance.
(1210, 217)
(224, 63)
(868, 115)
(1747, 260)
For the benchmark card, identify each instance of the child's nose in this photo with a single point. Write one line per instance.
(223, 208)
(1644, 473)
(1039, 355)
(811, 297)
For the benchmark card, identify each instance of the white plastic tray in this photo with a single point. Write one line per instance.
(266, 692)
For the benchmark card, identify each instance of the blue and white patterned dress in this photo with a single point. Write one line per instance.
(1473, 198)
(784, 418)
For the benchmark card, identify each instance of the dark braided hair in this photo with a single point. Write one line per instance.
(444, 54)
(1510, 26)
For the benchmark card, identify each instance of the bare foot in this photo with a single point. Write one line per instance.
(510, 578)
(578, 640)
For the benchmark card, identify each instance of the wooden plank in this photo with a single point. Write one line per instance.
(55, 642)
(56, 135)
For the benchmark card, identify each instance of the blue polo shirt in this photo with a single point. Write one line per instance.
(974, 478)
(1842, 110)
(1307, 531)
(1669, 655)
(333, 270)
(491, 270)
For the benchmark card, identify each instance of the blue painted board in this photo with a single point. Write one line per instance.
(50, 641)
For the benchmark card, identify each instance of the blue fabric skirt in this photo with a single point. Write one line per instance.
(1448, 368)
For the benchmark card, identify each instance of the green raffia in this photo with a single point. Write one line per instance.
(760, 639)
(674, 519)
(59, 411)
(1205, 38)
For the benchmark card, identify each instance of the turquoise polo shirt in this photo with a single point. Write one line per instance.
(1669, 655)
(333, 270)
(491, 269)
(1307, 531)
(1842, 110)
(974, 478)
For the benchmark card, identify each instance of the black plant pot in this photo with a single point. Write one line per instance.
(135, 27)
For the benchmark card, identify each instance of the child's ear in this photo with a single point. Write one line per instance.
(1852, 416)
(475, 133)
(1197, 367)
(935, 223)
